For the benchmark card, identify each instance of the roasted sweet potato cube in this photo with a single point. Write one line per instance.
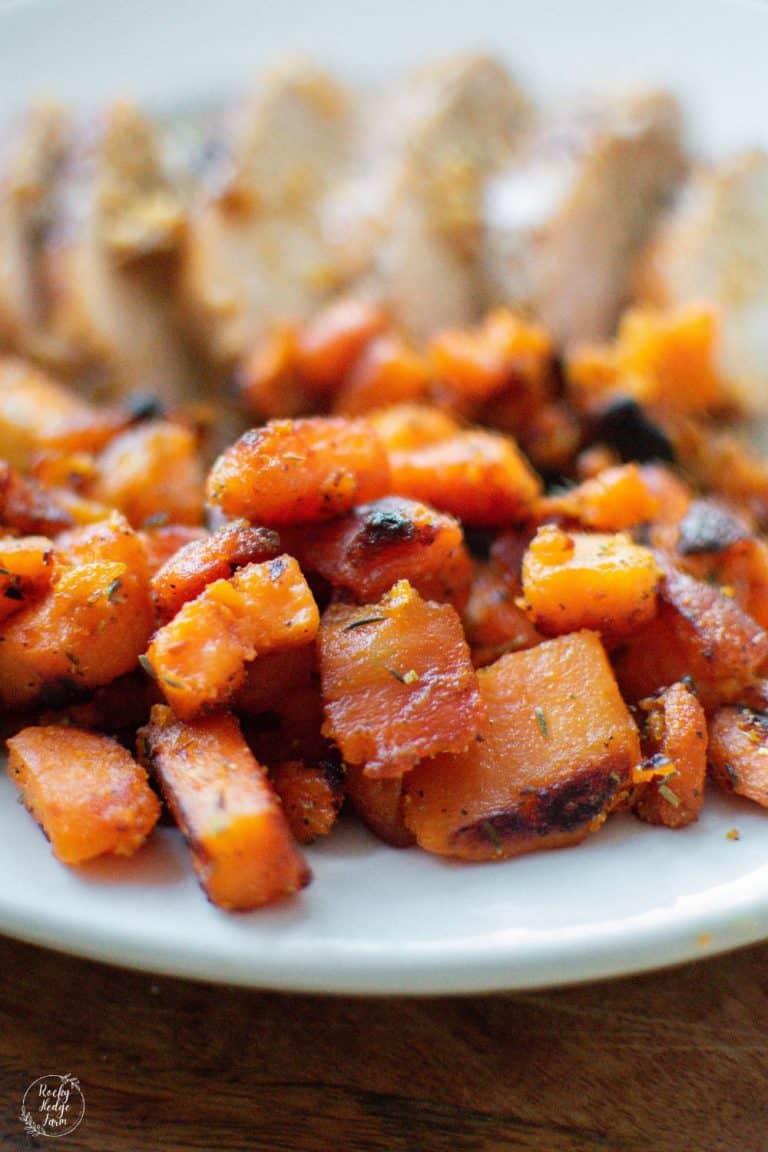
(27, 507)
(292, 471)
(268, 379)
(698, 632)
(405, 427)
(26, 568)
(330, 343)
(379, 804)
(270, 679)
(199, 657)
(393, 539)
(481, 477)
(556, 751)
(87, 793)
(311, 794)
(615, 499)
(219, 795)
(716, 543)
(161, 541)
(738, 752)
(214, 557)
(397, 681)
(388, 372)
(88, 627)
(575, 580)
(493, 622)
(673, 738)
(149, 470)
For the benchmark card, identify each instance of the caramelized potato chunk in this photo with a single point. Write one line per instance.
(330, 343)
(405, 427)
(87, 793)
(393, 539)
(291, 471)
(26, 568)
(29, 508)
(214, 557)
(378, 802)
(242, 848)
(551, 762)
(673, 737)
(397, 681)
(575, 580)
(311, 795)
(199, 658)
(738, 752)
(480, 477)
(162, 541)
(493, 622)
(387, 371)
(616, 499)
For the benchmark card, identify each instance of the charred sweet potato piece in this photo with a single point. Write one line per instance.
(331, 342)
(219, 795)
(673, 738)
(615, 499)
(291, 471)
(88, 628)
(28, 507)
(551, 761)
(199, 658)
(397, 681)
(152, 469)
(26, 569)
(405, 427)
(698, 632)
(291, 730)
(214, 557)
(738, 752)
(575, 580)
(480, 477)
(161, 541)
(311, 794)
(117, 708)
(493, 622)
(388, 371)
(38, 414)
(270, 679)
(379, 804)
(393, 539)
(87, 793)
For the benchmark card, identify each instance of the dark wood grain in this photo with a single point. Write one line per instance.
(671, 1062)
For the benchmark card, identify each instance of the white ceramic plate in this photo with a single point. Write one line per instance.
(377, 920)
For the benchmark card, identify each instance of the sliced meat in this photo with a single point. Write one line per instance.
(254, 252)
(109, 260)
(713, 247)
(563, 220)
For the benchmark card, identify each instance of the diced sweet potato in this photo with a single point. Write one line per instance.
(392, 539)
(291, 730)
(404, 427)
(268, 379)
(616, 499)
(493, 622)
(162, 541)
(117, 708)
(379, 804)
(87, 628)
(397, 681)
(87, 793)
(242, 848)
(199, 658)
(152, 469)
(478, 476)
(738, 752)
(38, 414)
(673, 737)
(270, 679)
(311, 794)
(330, 343)
(575, 580)
(27, 507)
(26, 569)
(214, 557)
(698, 632)
(388, 372)
(291, 471)
(556, 752)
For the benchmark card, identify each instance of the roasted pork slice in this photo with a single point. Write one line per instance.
(32, 153)
(110, 260)
(565, 217)
(255, 253)
(713, 247)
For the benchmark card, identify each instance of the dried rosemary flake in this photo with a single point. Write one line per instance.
(493, 836)
(365, 620)
(670, 796)
(113, 588)
(147, 666)
(541, 720)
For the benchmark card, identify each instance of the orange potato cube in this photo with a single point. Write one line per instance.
(220, 797)
(161, 541)
(291, 471)
(673, 737)
(575, 580)
(331, 342)
(199, 658)
(738, 753)
(615, 499)
(397, 681)
(403, 427)
(268, 379)
(552, 761)
(388, 371)
(493, 622)
(87, 793)
(311, 794)
(378, 802)
(503, 351)
(26, 568)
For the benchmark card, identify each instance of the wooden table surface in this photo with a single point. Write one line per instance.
(669, 1062)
